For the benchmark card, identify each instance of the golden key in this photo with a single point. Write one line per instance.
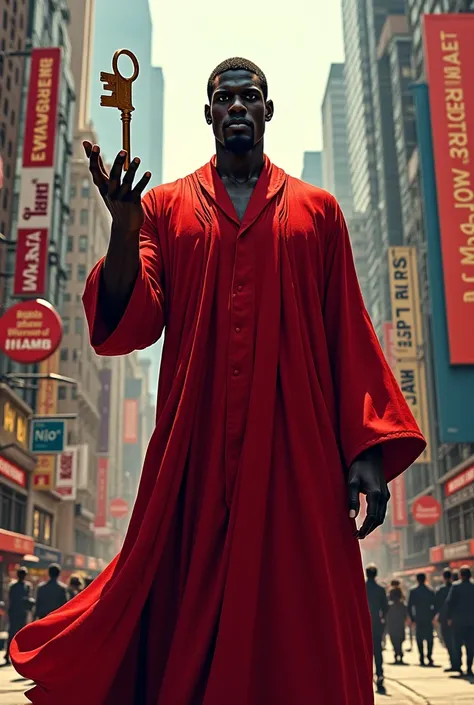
(121, 95)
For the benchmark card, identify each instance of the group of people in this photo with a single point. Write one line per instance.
(449, 609)
(50, 595)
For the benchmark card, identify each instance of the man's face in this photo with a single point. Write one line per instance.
(238, 111)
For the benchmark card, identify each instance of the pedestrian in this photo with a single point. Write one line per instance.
(421, 610)
(75, 586)
(271, 373)
(441, 617)
(460, 615)
(378, 608)
(20, 604)
(397, 616)
(51, 594)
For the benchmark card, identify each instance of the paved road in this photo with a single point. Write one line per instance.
(406, 685)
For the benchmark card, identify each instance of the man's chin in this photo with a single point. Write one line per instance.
(239, 144)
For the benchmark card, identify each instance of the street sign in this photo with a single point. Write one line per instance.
(427, 510)
(118, 508)
(30, 331)
(48, 436)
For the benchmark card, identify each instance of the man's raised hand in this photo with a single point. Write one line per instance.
(122, 198)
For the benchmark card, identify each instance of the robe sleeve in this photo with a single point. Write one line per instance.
(143, 320)
(370, 406)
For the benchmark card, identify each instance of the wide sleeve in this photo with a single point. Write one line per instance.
(143, 320)
(370, 406)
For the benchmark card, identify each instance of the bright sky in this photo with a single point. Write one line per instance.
(293, 41)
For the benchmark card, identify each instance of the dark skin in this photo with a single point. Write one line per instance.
(238, 113)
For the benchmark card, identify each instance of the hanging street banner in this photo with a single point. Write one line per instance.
(405, 299)
(66, 473)
(449, 50)
(411, 377)
(36, 199)
(30, 331)
(102, 492)
(44, 473)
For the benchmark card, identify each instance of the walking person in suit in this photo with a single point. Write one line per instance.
(460, 615)
(52, 594)
(421, 608)
(441, 616)
(378, 606)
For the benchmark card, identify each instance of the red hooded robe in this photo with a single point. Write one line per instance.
(240, 581)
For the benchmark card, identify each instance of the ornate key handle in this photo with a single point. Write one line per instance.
(120, 96)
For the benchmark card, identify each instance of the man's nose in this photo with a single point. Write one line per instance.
(237, 106)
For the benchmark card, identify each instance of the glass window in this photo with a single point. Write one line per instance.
(64, 354)
(85, 188)
(12, 510)
(79, 325)
(70, 243)
(81, 272)
(73, 392)
(42, 526)
(72, 216)
(62, 392)
(84, 216)
(69, 271)
(75, 355)
(72, 191)
(66, 297)
(83, 243)
(66, 325)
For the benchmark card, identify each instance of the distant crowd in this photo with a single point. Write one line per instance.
(449, 610)
(23, 606)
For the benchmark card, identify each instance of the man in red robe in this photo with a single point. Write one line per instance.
(240, 581)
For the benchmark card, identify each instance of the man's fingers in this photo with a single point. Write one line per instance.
(116, 173)
(99, 179)
(127, 182)
(354, 498)
(136, 194)
(374, 500)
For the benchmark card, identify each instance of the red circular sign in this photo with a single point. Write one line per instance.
(30, 331)
(427, 510)
(119, 508)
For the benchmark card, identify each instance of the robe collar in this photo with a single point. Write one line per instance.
(269, 183)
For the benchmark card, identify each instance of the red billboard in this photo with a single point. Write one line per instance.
(399, 502)
(30, 331)
(30, 262)
(102, 487)
(449, 50)
(459, 481)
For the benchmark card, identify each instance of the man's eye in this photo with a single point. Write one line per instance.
(221, 97)
(250, 97)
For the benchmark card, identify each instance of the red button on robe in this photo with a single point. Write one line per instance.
(239, 582)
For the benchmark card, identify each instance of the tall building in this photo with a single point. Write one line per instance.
(336, 171)
(121, 24)
(313, 168)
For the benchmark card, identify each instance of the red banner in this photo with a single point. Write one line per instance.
(102, 483)
(460, 481)
(42, 107)
(130, 421)
(399, 502)
(10, 542)
(12, 472)
(449, 49)
(30, 263)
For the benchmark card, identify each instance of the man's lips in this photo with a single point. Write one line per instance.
(237, 123)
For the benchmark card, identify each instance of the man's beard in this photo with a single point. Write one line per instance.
(239, 144)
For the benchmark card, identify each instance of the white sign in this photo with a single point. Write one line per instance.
(66, 473)
(36, 198)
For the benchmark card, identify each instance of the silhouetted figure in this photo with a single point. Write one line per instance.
(396, 621)
(52, 594)
(422, 611)
(378, 606)
(75, 586)
(20, 604)
(460, 613)
(440, 609)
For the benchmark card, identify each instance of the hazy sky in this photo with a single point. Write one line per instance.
(293, 41)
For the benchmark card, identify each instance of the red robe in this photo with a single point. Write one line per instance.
(240, 581)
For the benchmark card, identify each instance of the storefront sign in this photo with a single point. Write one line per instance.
(460, 481)
(102, 492)
(66, 473)
(119, 508)
(48, 435)
(16, 543)
(15, 422)
(12, 472)
(47, 554)
(37, 173)
(44, 474)
(411, 376)
(30, 331)
(427, 510)
(404, 290)
(399, 502)
(452, 552)
(130, 421)
(449, 57)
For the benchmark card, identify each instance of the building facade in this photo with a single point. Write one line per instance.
(313, 168)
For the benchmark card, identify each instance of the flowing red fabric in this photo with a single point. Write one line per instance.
(240, 581)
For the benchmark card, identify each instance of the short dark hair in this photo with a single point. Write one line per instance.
(447, 574)
(22, 572)
(465, 572)
(237, 63)
(371, 571)
(54, 570)
(421, 577)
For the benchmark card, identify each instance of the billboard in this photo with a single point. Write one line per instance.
(405, 301)
(105, 377)
(66, 473)
(449, 51)
(411, 377)
(35, 209)
(44, 473)
(102, 492)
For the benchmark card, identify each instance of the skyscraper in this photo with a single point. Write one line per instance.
(336, 171)
(313, 168)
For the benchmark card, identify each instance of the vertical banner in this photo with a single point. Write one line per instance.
(66, 473)
(102, 492)
(399, 502)
(449, 50)
(389, 344)
(130, 421)
(37, 174)
(405, 300)
(43, 476)
(105, 377)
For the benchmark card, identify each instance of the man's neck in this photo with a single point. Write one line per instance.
(239, 168)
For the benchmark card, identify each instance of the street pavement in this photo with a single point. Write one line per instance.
(406, 685)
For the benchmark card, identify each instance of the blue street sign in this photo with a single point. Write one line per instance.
(48, 436)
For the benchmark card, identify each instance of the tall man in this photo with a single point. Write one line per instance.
(19, 606)
(421, 608)
(378, 608)
(274, 397)
(51, 594)
(441, 615)
(460, 614)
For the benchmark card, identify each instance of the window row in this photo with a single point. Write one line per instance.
(64, 394)
(81, 272)
(85, 189)
(83, 216)
(65, 356)
(82, 243)
(42, 526)
(78, 325)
